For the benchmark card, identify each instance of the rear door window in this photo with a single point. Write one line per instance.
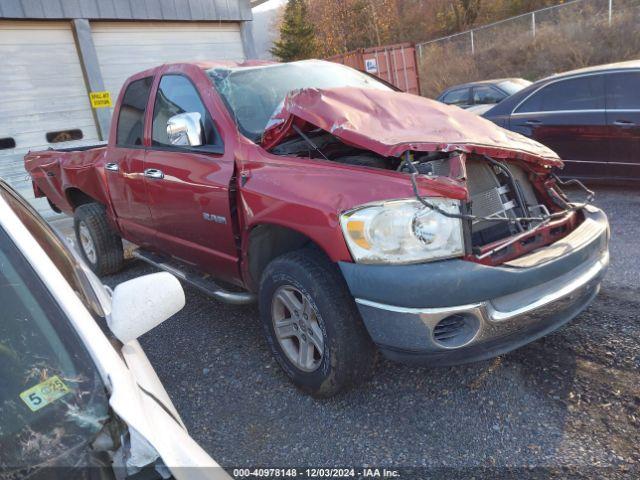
(130, 131)
(486, 95)
(457, 97)
(623, 91)
(576, 94)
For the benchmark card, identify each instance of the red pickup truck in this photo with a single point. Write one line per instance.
(362, 219)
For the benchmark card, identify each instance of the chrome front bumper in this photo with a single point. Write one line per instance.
(531, 298)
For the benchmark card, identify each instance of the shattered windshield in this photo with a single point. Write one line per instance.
(253, 94)
(52, 400)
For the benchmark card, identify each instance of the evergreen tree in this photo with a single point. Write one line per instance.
(297, 34)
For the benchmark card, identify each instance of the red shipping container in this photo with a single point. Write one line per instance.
(394, 63)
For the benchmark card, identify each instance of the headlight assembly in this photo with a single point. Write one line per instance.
(403, 231)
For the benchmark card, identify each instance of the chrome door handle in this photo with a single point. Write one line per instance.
(624, 123)
(111, 166)
(153, 173)
(533, 122)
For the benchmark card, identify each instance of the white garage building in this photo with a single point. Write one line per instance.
(54, 52)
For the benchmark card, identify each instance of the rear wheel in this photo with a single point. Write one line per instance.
(53, 206)
(99, 245)
(312, 324)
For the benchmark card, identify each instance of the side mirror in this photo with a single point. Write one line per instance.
(185, 129)
(143, 303)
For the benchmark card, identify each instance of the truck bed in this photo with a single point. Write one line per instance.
(82, 148)
(55, 174)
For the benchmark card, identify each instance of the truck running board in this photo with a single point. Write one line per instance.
(199, 280)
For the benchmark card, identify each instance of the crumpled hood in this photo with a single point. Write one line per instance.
(388, 123)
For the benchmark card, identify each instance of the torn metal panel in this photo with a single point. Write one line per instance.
(388, 123)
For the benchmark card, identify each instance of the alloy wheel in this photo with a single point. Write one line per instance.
(297, 328)
(86, 243)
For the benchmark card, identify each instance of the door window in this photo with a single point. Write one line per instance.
(130, 131)
(583, 93)
(6, 143)
(176, 94)
(486, 95)
(457, 97)
(623, 91)
(64, 135)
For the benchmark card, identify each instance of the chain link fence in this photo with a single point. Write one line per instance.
(576, 34)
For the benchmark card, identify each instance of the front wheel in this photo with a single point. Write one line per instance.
(100, 246)
(312, 324)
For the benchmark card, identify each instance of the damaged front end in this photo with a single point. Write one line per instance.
(479, 253)
(510, 209)
(509, 201)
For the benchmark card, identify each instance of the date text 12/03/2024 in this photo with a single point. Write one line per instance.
(316, 473)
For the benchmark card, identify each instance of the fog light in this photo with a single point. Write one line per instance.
(456, 330)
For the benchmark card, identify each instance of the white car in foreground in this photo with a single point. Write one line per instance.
(75, 397)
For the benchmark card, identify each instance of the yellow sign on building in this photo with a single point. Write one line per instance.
(100, 99)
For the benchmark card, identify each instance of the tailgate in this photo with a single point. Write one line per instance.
(45, 171)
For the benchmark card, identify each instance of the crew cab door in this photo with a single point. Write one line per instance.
(188, 187)
(568, 116)
(623, 121)
(123, 167)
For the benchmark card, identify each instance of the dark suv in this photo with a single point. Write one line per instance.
(589, 117)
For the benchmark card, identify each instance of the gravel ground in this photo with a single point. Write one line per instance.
(570, 400)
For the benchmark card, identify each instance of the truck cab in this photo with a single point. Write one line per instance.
(361, 219)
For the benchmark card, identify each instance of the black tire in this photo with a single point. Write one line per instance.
(108, 253)
(349, 354)
(53, 206)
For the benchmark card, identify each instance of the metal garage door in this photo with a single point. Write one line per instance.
(126, 48)
(43, 95)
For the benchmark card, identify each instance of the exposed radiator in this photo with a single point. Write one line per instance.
(492, 195)
(491, 203)
(488, 197)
